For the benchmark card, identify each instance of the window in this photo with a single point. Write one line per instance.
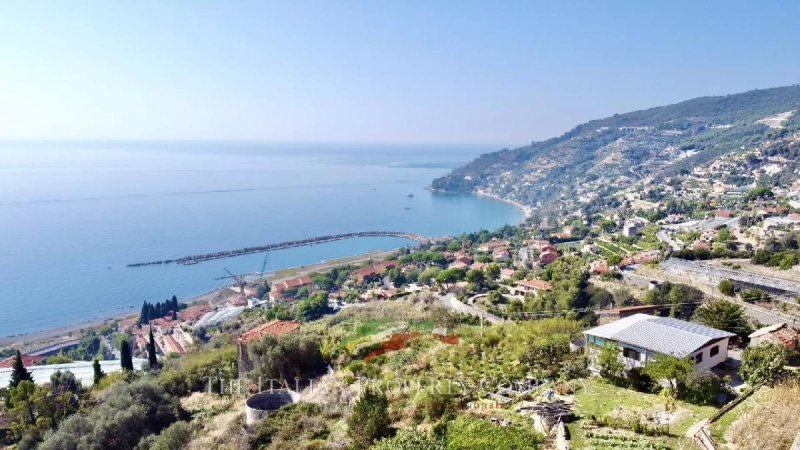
(714, 351)
(698, 358)
(630, 353)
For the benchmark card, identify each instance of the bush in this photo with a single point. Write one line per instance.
(292, 426)
(192, 372)
(763, 363)
(702, 387)
(125, 414)
(752, 295)
(726, 287)
(369, 420)
(411, 440)
(467, 433)
(287, 357)
(174, 437)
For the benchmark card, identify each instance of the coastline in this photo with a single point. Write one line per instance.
(36, 340)
(527, 211)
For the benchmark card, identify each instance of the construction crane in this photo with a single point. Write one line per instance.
(264, 265)
(240, 281)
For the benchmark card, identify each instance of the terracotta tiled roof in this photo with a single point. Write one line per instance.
(193, 313)
(27, 361)
(275, 328)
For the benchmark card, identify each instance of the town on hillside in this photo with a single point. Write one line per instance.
(645, 326)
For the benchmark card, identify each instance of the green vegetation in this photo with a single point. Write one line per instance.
(753, 295)
(18, 372)
(763, 363)
(668, 293)
(369, 420)
(724, 315)
(726, 287)
(124, 415)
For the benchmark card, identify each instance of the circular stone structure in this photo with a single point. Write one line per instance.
(260, 405)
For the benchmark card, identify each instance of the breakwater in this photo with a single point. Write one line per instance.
(194, 259)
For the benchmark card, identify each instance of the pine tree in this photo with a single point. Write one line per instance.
(151, 351)
(98, 372)
(126, 360)
(19, 373)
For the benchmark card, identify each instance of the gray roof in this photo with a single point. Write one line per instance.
(660, 334)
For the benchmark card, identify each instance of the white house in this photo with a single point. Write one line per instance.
(642, 337)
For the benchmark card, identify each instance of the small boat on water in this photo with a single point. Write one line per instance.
(410, 196)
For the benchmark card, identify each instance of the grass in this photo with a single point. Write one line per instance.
(770, 419)
(375, 326)
(597, 398)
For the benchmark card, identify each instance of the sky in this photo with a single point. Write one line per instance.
(373, 71)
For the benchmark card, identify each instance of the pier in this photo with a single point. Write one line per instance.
(194, 259)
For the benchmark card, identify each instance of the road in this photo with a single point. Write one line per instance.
(450, 302)
(762, 315)
(664, 237)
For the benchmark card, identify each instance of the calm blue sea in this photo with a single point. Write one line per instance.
(73, 214)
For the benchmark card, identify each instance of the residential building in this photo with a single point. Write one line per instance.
(273, 328)
(369, 273)
(548, 255)
(642, 337)
(780, 333)
(525, 287)
(631, 229)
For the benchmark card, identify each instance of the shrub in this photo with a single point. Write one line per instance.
(174, 437)
(726, 287)
(701, 387)
(287, 357)
(192, 372)
(125, 414)
(467, 433)
(752, 295)
(763, 363)
(369, 420)
(411, 440)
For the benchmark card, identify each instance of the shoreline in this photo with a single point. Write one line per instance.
(527, 211)
(37, 340)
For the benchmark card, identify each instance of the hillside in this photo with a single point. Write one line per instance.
(596, 159)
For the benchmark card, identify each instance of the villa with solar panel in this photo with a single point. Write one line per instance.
(642, 337)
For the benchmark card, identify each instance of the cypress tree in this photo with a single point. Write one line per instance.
(174, 315)
(151, 351)
(144, 314)
(98, 372)
(19, 373)
(126, 360)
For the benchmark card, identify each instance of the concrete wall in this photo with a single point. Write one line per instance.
(647, 355)
(709, 361)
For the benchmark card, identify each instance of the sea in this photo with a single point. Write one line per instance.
(74, 214)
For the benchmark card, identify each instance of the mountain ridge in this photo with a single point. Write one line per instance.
(594, 159)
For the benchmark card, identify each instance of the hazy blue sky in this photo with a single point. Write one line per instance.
(373, 71)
